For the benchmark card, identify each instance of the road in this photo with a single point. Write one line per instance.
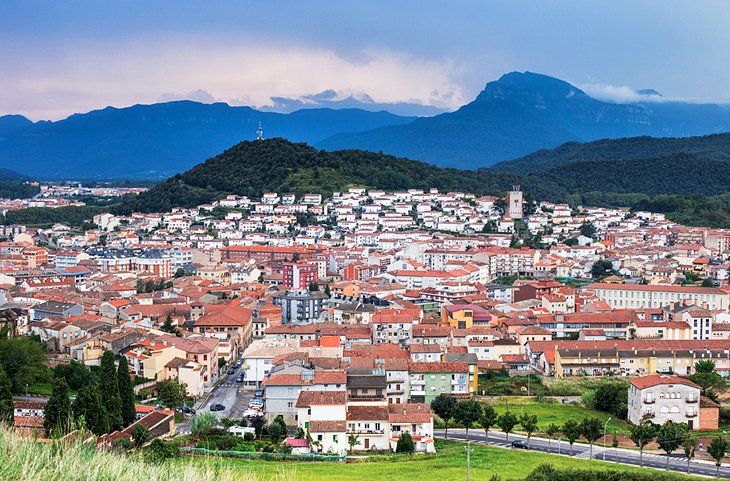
(677, 460)
(230, 394)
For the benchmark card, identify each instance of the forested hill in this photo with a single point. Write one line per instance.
(708, 147)
(277, 165)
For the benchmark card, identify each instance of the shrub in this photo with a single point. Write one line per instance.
(158, 451)
(202, 423)
(248, 437)
(405, 443)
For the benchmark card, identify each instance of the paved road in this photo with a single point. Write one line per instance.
(677, 461)
(230, 394)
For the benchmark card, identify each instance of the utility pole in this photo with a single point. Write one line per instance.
(468, 461)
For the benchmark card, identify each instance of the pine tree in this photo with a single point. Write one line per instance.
(6, 399)
(126, 392)
(88, 405)
(109, 387)
(58, 409)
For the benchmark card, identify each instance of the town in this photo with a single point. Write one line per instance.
(367, 322)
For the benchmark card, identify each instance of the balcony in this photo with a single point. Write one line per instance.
(649, 401)
(365, 397)
(418, 382)
(366, 431)
(648, 416)
(691, 414)
(691, 400)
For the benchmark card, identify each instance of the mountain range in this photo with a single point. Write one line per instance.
(516, 115)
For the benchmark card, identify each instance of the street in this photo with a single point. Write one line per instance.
(677, 460)
(230, 394)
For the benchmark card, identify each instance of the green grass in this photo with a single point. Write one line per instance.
(44, 389)
(448, 464)
(558, 413)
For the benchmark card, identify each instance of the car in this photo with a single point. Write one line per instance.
(239, 362)
(217, 407)
(231, 371)
(252, 413)
(186, 410)
(259, 393)
(256, 403)
(519, 444)
(239, 378)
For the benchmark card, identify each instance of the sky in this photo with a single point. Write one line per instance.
(63, 57)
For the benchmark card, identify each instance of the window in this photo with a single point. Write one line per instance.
(290, 404)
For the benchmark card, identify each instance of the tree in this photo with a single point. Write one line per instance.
(507, 423)
(708, 379)
(642, 434)
(529, 425)
(614, 443)
(88, 405)
(591, 428)
(707, 282)
(7, 408)
(171, 393)
(313, 287)
(140, 434)
(572, 431)
(109, 388)
(443, 406)
(689, 443)
(611, 397)
(257, 422)
(717, 450)
(487, 419)
(405, 443)
(327, 291)
(126, 392)
(551, 431)
(669, 437)
(201, 423)
(467, 413)
(587, 229)
(277, 428)
(353, 440)
(168, 326)
(58, 409)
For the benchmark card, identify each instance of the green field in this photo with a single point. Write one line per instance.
(448, 464)
(557, 413)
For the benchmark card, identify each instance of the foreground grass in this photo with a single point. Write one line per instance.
(53, 461)
(448, 464)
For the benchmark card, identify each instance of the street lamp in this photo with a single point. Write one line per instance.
(604, 438)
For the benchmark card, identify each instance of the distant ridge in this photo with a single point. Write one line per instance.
(523, 112)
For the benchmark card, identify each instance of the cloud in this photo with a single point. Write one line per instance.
(78, 78)
(626, 95)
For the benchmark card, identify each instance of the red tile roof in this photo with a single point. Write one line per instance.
(661, 379)
(321, 398)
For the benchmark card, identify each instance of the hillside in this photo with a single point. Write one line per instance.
(252, 168)
(277, 165)
(708, 147)
(159, 140)
(524, 112)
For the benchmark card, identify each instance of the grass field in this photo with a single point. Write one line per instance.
(449, 464)
(557, 413)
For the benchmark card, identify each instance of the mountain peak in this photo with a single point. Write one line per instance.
(521, 85)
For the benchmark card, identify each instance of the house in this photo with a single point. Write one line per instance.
(429, 379)
(661, 398)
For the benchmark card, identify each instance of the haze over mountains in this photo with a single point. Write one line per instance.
(514, 116)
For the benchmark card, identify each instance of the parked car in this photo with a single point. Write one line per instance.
(239, 378)
(256, 403)
(252, 413)
(217, 407)
(519, 444)
(259, 393)
(186, 410)
(231, 371)
(239, 362)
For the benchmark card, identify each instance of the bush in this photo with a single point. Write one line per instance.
(546, 472)
(219, 442)
(248, 437)
(159, 451)
(121, 445)
(203, 423)
(405, 443)
(246, 447)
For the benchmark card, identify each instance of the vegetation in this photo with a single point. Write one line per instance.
(126, 392)
(642, 434)
(109, 388)
(17, 190)
(467, 413)
(57, 413)
(507, 423)
(717, 449)
(405, 443)
(23, 360)
(89, 407)
(6, 399)
(171, 393)
(444, 406)
(202, 423)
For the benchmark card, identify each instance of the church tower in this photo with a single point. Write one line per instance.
(513, 205)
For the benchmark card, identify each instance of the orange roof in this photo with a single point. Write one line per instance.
(661, 379)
